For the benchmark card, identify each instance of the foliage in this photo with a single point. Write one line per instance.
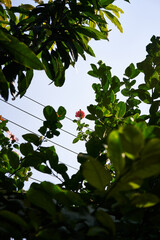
(115, 194)
(48, 37)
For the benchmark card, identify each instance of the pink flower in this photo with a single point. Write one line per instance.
(11, 136)
(80, 114)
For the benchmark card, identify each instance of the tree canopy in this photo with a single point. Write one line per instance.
(115, 192)
(49, 37)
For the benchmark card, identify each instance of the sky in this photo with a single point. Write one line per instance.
(140, 22)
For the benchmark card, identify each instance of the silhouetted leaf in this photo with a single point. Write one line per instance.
(26, 148)
(50, 114)
(3, 86)
(13, 218)
(13, 159)
(61, 113)
(41, 199)
(33, 138)
(131, 72)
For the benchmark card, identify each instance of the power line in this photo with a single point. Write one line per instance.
(34, 116)
(31, 99)
(26, 129)
(35, 179)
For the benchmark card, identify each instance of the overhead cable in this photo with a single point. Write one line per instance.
(26, 129)
(31, 99)
(34, 116)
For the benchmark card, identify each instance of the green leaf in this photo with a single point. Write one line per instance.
(96, 174)
(24, 81)
(125, 92)
(94, 147)
(104, 3)
(91, 117)
(44, 169)
(114, 9)
(50, 114)
(115, 151)
(48, 62)
(13, 159)
(147, 68)
(3, 86)
(145, 170)
(149, 164)
(151, 151)
(131, 72)
(121, 109)
(33, 138)
(105, 219)
(144, 96)
(20, 52)
(154, 107)
(91, 32)
(144, 200)
(132, 140)
(96, 231)
(61, 113)
(76, 140)
(26, 148)
(114, 20)
(115, 85)
(41, 199)
(13, 218)
(62, 196)
(43, 130)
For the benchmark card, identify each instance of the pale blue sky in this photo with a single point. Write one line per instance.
(140, 22)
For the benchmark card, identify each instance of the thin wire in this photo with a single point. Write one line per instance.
(34, 116)
(35, 179)
(59, 161)
(26, 129)
(42, 105)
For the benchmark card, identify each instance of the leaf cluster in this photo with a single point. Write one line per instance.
(48, 37)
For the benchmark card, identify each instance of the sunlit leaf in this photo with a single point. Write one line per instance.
(144, 200)
(115, 151)
(121, 109)
(91, 32)
(132, 140)
(20, 52)
(114, 20)
(114, 9)
(96, 174)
